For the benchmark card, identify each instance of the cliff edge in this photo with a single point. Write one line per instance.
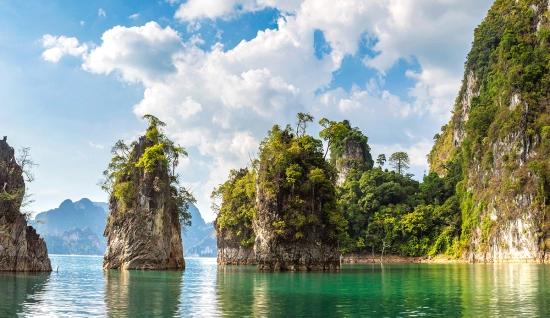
(21, 248)
(143, 228)
(498, 141)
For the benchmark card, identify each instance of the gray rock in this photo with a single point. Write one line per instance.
(147, 235)
(21, 249)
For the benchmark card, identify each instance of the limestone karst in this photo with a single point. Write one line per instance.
(21, 248)
(146, 205)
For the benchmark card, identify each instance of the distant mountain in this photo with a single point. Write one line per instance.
(206, 248)
(76, 227)
(199, 236)
(73, 215)
(103, 205)
(75, 241)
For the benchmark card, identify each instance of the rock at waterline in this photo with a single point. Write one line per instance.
(21, 248)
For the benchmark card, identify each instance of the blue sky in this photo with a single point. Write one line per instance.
(76, 76)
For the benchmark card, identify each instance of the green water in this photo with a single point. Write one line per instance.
(82, 289)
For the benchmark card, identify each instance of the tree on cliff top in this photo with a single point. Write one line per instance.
(340, 137)
(400, 161)
(122, 174)
(293, 172)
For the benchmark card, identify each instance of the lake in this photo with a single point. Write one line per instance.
(82, 289)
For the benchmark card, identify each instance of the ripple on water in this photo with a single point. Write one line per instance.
(82, 289)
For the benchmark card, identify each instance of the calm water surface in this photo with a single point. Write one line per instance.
(82, 289)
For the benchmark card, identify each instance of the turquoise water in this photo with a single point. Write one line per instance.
(82, 289)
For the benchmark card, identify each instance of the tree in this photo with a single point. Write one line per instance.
(400, 161)
(301, 125)
(26, 163)
(332, 130)
(122, 173)
(381, 160)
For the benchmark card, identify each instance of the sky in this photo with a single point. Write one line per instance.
(76, 76)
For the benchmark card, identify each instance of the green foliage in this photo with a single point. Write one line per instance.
(413, 218)
(160, 158)
(341, 137)
(299, 183)
(236, 210)
(381, 160)
(151, 157)
(400, 161)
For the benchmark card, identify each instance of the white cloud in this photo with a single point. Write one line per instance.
(101, 13)
(82, 23)
(58, 46)
(137, 53)
(98, 146)
(219, 103)
(193, 10)
(134, 16)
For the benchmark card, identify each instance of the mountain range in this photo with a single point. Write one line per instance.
(77, 228)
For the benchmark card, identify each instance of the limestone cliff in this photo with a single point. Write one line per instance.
(21, 248)
(349, 151)
(276, 252)
(499, 137)
(143, 229)
(231, 252)
(298, 222)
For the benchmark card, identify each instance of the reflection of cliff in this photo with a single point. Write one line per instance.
(16, 290)
(498, 288)
(236, 292)
(142, 293)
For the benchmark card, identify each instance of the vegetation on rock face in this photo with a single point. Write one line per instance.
(123, 173)
(294, 174)
(16, 198)
(488, 165)
(371, 209)
(236, 211)
(495, 147)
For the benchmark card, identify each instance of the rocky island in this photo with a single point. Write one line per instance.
(21, 248)
(147, 208)
(285, 207)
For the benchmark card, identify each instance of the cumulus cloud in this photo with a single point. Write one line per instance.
(219, 103)
(134, 16)
(101, 13)
(58, 46)
(137, 53)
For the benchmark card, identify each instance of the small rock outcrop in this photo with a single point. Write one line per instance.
(351, 151)
(143, 230)
(21, 248)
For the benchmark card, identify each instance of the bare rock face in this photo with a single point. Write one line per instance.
(230, 251)
(353, 154)
(276, 253)
(21, 248)
(146, 235)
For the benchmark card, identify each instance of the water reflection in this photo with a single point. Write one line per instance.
(198, 297)
(19, 290)
(506, 290)
(83, 289)
(142, 293)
